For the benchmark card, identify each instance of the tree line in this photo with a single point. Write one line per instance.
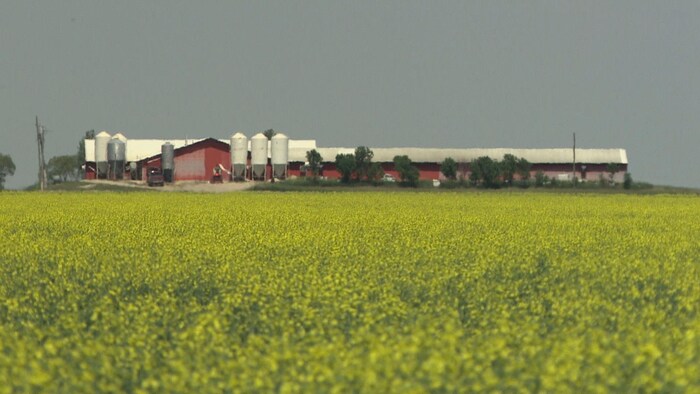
(360, 167)
(60, 168)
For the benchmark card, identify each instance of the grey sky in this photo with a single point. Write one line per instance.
(621, 74)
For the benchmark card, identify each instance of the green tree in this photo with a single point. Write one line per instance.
(509, 166)
(375, 173)
(408, 173)
(449, 168)
(485, 170)
(314, 159)
(540, 178)
(627, 184)
(269, 133)
(7, 167)
(363, 161)
(345, 164)
(523, 168)
(63, 167)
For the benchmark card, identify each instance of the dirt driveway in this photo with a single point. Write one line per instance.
(185, 186)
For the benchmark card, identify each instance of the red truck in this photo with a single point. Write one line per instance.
(155, 177)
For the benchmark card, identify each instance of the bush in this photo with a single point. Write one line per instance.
(627, 184)
(450, 184)
(540, 179)
(522, 183)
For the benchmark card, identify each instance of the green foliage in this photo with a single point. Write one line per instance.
(66, 167)
(540, 178)
(523, 183)
(485, 171)
(345, 164)
(7, 167)
(363, 162)
(269, 133)
(628, 183)
(508, 166)
(448, 168)
(313, 157)
(523, 168)
(375, 173)
(408, 173)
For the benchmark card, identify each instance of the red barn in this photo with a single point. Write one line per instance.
(194, 162)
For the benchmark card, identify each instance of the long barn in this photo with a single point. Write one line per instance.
(555, 163)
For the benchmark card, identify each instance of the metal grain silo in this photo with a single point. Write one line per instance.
(239, 156)
(167, 155)
(101, 141)
(280, 155)
(116, 158)
(258, 155)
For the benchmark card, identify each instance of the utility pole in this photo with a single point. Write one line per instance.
(42, 162)
(573, 165)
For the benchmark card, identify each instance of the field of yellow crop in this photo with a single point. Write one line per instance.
(346, 292)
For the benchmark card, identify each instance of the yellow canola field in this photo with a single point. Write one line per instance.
(349, 292)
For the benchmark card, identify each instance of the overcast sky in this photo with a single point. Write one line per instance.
(448, 74)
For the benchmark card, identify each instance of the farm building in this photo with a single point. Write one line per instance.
(116, 157)
(555, 163)
(192, 159)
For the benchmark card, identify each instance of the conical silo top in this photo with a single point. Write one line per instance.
(279, 136)
(238, 136)
(120, 137)
(258, 136)
(103, 134)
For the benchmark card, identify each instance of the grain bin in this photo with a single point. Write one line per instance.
(101, 141)
(258, 156)
(280, 155)
(116, 158)
(239, 156)
(167, 155)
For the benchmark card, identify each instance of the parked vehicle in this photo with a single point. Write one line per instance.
(155, 177)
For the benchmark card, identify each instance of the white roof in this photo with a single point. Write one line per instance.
(137, 149)
(437, 155)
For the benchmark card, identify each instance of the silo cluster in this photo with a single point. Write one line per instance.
(264, 153)
(257, 158)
